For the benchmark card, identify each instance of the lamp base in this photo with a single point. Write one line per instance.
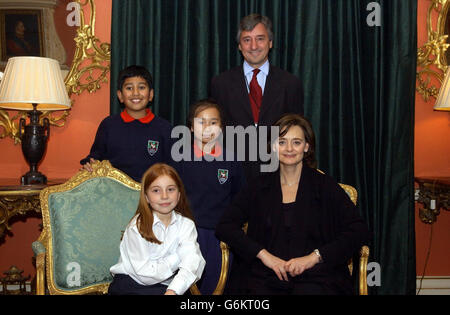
(33, 177)
(34, 142)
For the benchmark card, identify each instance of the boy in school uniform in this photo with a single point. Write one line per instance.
(135, 139)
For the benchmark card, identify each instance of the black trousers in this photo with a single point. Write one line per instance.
(125, 285)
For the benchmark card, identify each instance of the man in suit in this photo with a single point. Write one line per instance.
(256, 93)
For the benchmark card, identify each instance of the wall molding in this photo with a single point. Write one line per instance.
(433, 285)
(53, 47)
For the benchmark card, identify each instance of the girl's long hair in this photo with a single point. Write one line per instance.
(144, 213)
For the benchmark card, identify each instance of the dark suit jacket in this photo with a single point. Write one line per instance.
(325, 218)
(283, 93)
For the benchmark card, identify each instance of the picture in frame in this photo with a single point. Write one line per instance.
(21, 33)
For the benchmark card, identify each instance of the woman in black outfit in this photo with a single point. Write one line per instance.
(302, 226)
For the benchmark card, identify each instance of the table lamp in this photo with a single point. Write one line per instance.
(29, 84)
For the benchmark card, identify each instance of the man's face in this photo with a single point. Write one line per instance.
(255, 45)
(20, 28)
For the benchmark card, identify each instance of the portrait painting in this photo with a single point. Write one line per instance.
(21, 33)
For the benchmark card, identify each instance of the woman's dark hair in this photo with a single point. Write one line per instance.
(134, 71)
(287, 121)
(201, 105)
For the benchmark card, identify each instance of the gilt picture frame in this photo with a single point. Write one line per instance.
(21, 33)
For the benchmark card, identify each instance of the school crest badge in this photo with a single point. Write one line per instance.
(222, 175)
(152, 147)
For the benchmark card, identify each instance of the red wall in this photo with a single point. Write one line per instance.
(431, 158)
(65, 32)
(72, 142)
(67, 145)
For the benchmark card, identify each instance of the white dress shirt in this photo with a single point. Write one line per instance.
(261, 77)
(177, 262)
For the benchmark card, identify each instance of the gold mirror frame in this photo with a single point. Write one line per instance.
(90, 66)
(431, 57)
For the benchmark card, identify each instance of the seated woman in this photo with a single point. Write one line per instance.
(302, 226)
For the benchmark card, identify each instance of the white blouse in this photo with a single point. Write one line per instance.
(177, 262)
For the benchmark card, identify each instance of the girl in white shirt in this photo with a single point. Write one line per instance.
(159, 253)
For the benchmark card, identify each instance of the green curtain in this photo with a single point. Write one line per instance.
(359, 84)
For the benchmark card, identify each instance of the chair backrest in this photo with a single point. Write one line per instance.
(84, 219)
(364, 251)
(353, 194)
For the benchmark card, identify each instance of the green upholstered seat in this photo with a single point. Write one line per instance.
(83, 223)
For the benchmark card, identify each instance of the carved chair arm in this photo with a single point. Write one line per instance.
(39, 250)
(364, 258)
(223, 273)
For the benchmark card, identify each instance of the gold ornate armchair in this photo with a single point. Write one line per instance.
(223, 273)
(363, 258)
(83, 221)
(364, 251)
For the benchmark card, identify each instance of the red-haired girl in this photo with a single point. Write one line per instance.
(159, 253)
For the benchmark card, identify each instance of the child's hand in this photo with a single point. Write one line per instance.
(88, 166)
(170, 292)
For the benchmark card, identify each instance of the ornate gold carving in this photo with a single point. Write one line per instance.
(91, 61)
(40, 271)
(351, 192)
(14, 203)
(90, 66)
(220, 287)
(364, 259)
(14, 277)
(100, 169)
(10, 127)
(434, 195)
(363, 253)
(431, 57)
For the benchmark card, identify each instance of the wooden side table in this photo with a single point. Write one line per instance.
(434, 195)
(18, 199)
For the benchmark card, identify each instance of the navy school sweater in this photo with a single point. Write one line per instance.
(133, 146)
(210, 187)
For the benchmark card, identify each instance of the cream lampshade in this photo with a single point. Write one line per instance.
(33, 80)
(32, 83)
(443, 100)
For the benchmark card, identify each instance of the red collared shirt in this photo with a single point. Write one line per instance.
(145, 120)
(216, 151)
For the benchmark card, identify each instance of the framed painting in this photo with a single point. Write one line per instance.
(21, 33)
